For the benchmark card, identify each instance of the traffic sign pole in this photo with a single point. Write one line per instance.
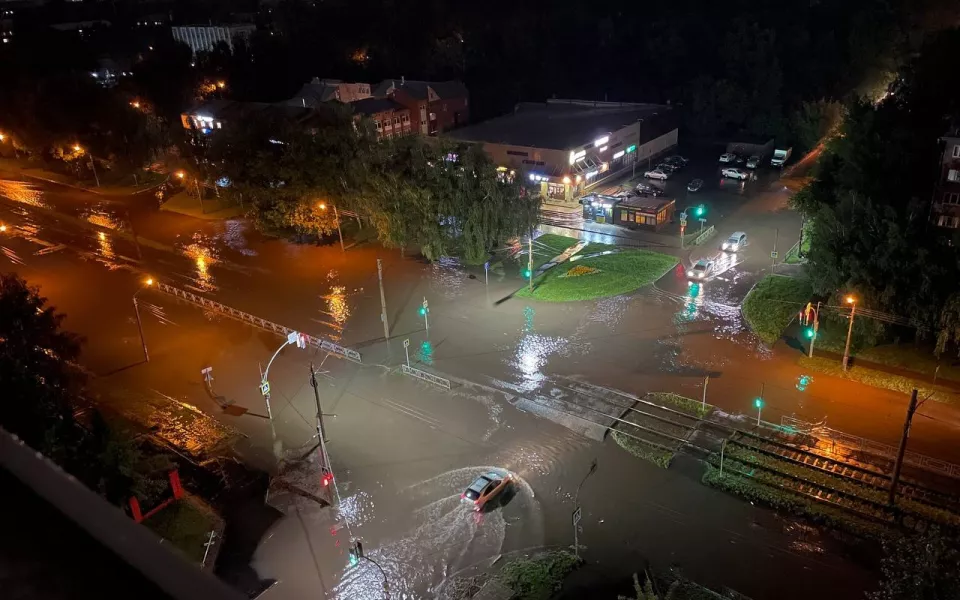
(406, 350)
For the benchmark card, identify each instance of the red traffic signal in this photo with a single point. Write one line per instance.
(326, 479)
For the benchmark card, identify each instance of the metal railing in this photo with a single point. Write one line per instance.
(259, 323)
(709, 231)
(424, 376)
(854, 442)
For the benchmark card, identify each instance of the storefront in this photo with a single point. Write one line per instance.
(640, 212)
(598, 208)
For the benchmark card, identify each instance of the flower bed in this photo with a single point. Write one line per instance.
(580, 270)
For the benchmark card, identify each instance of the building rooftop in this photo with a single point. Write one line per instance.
(565, 124)
(420, 89)
(372, 106)
(646, 203)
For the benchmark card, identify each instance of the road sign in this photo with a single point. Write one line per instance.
(406, 343)
(207, 374)
(774, 254)
(265, 388)
(576, 516)
(425, 305)
(702, 220)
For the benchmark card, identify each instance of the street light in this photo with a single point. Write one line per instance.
(93, 165)
(336, 215)
(846, 350)
(136, 309)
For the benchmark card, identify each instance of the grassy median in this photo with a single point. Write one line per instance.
(773, 302)
(600, 277)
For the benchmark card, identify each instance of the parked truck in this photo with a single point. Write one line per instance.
(780, 156)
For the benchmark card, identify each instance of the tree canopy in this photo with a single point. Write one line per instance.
(442, 197)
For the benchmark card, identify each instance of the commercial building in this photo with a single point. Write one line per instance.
(202, 38)
(319, 91)
(435, 106)
(388, 117)
(568, 146)
(635, 212)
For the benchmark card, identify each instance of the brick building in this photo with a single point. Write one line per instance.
(435, 106)
(388, 117)
(946, 197)
(326, 90)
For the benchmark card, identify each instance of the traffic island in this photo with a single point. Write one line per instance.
(772, 303)
(600, 276)
(537, 577)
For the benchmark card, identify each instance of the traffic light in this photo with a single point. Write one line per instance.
(758, 402)
(808, 331)
(526, 273)
(423, 311)
(327, 478)
(698, 211)
(355, 553)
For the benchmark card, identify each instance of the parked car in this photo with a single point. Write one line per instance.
(735, 242)
(728, 157)
(701, 270)
(732, 173)
(645, 189)
(694, 185)
(753, 162)
(484, 489)
(657, 174)
(676, 160)
(738, 160)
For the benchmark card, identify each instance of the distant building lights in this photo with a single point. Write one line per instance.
(601, 141)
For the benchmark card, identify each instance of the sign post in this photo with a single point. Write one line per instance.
(406, 350)
(576, 536)
(424, 309)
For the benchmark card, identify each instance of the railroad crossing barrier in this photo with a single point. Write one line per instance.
(423, 375)
(928, 463)
(239, 315)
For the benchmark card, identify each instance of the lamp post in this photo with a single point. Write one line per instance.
(846, 350)
(93, 165)
(293, 337)
(136, 309)
(336, 215)
(196, 182)
(576, 503)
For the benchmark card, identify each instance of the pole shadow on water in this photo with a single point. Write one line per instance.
(123, 368)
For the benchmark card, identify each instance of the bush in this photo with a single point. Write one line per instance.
(773, 302)
(638, 448)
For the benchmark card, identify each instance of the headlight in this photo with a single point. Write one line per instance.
(725, 245)
(689, 273)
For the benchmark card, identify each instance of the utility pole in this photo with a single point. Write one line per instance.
(93, 166)
(911, 409)
(383, 302)
(530, 259)
(846, 349)
(816, 328)
(336, 215)
(773, 255)
(321, 443)
(703, 405)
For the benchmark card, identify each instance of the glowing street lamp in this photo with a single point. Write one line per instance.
(136, 308)
(336, 215)
(221, 84)
(93, 166)
(846, 350)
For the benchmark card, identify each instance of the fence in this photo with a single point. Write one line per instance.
(423, 375)
(239, 315)
(709, 231)
(854, 442)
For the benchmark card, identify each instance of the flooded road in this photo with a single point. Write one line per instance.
(403, 452)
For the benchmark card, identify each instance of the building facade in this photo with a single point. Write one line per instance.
(568, 147)
(946, 197)
(435, 106)
(202, 38)
(389, 118)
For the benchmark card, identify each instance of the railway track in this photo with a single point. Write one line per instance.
(842, 470)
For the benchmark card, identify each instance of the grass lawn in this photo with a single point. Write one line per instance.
(771, 304)
(539, 577)
(594, 247)
(616, 274)
(657, 456)
(793, 255)
(879, 379)
(186, 526)
(555, 244)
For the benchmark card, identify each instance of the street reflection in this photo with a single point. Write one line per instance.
(204, 256)
(337, 307)
(105, 246)
(22, 192)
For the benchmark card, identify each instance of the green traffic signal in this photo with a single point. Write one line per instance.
(808, 332)
(526, 273)
(423, 311)
(758, 402)
(699, 211)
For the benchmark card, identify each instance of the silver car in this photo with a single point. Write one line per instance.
(735, 242)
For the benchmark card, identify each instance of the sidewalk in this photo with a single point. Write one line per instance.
(212, 209)
(64, 180)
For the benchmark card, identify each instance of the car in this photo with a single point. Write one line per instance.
(657, 174)
(738, 160)
(676, 160)
(701, 270)
(624, 194)
(753, 162)
(732, 173)
(645, 189)
(728, 157)
(694, 185)
(484, 489)
(735, 242)
(667, 168)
